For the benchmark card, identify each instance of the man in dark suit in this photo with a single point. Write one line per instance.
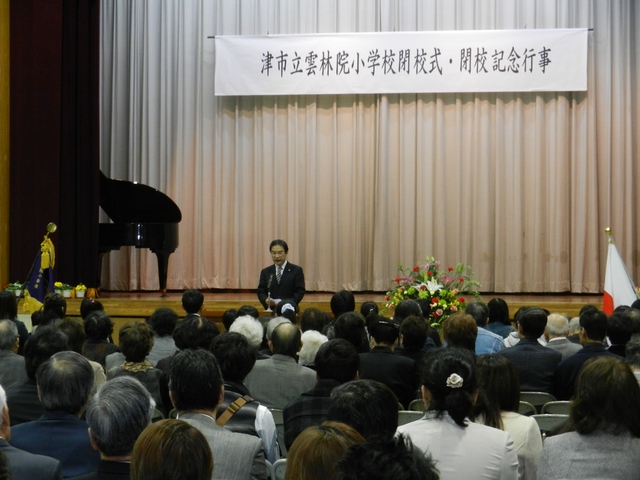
(396, 372)
(118, 413)
(534, 363)
(64, 382)
(23, 465)
(593, 330)
(282, 280)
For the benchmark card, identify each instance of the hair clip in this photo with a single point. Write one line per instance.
(455, 381)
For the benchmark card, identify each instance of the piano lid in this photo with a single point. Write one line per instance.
(128, 202)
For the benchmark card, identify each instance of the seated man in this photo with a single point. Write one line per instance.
(486, 341)
(277, 380)
(236, 358)
(20, 464)
(64, 382)
(196, 391)
(117, 415)
(555, 333)
(23, 400)
(366, 405)
(192, 301)
(534, 363)
(336, 362)
(396, 372)
(12, 372)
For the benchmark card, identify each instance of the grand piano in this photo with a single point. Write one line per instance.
(143, 217)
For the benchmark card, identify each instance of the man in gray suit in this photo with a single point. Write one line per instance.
(195, 387)
(12, 372)
(276, 381)
(556, 333)
(23, 465)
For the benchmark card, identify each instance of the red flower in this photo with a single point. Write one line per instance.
(461, 280)
(435, 300)
(450, 269)
(423, 287)
(398, 280)
(461, 299)
(430, 273)
(416, 269)
(387, 298)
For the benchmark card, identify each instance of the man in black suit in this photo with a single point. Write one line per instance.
(282, 280)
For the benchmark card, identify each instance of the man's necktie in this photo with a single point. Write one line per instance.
(278, 273)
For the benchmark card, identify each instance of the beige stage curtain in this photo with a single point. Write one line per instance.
(519, 186)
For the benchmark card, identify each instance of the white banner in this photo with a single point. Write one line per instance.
(402, 62)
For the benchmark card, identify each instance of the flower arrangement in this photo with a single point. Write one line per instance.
(15, 286)
(443, 290)
(62, 286)
(80, 287)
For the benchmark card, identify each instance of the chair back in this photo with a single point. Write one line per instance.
(549, 422)
(416, 405)
(559, 406)
(525, 408)
(279, 469)
(537, 399)
(408, 416)
(279, 421)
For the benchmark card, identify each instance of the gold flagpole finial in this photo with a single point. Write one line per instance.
(607, 231)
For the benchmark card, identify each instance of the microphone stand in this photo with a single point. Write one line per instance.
(268, 309)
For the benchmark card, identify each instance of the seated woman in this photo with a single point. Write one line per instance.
(9, 311)
(603, 439)
(136, 340)
(497, 407)
(171, 449)
(460, 448)
(315, 452)
(499, 322)
(97, 328)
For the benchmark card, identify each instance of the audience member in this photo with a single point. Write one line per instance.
(288, 309)
(311, 342)
(23, 400)
(351, 327)
(534, 363)
(314, 319)
(405, 308)
(460, 330)
(396, 372)
(23, 465)
(9, 311)
(196, 390)
(366, 405)
(460, 448)
(369, 307)
(98, 327)
(486, 341)
(228, 317)
(54, 308)
(316, 451)
(618, 331)
(337, 362)
(593, 330)
(395, 459)
(64, 384)
(192, 301)
(414, 335)
(136, 340)
(117, 415)
(342, 302)
(574, 330)
(556, 333)
(249, 327)
(88, 305)
(74, 330)
(13, 371)
(277, 380)
(162, 323)
(239, 412)
(248, 310)
(603, 439)
(193, 332)
(172, 449)
(425, 306)
(497, 407)
(499, 322)
(632, 355)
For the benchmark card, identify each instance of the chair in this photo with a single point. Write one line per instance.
(416, 405)
(407, 416)
(279, 421)
(157, 416)
(537, 399)
(559, 406)
(525, 408)
(270, 475)
(279, 469)
(548, 422)
(173, 413)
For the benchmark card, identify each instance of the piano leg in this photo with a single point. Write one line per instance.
(163, 265)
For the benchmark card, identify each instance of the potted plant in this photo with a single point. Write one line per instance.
(80, 290)
(15, 287)
(63, 288)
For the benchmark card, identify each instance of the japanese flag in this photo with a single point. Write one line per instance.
(618, 286)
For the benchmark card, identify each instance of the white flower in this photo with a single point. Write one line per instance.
(433, 286)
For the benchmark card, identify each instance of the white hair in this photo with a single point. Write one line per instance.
(312, 340)
(557, 325)
(250, 328)
(3, 400)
